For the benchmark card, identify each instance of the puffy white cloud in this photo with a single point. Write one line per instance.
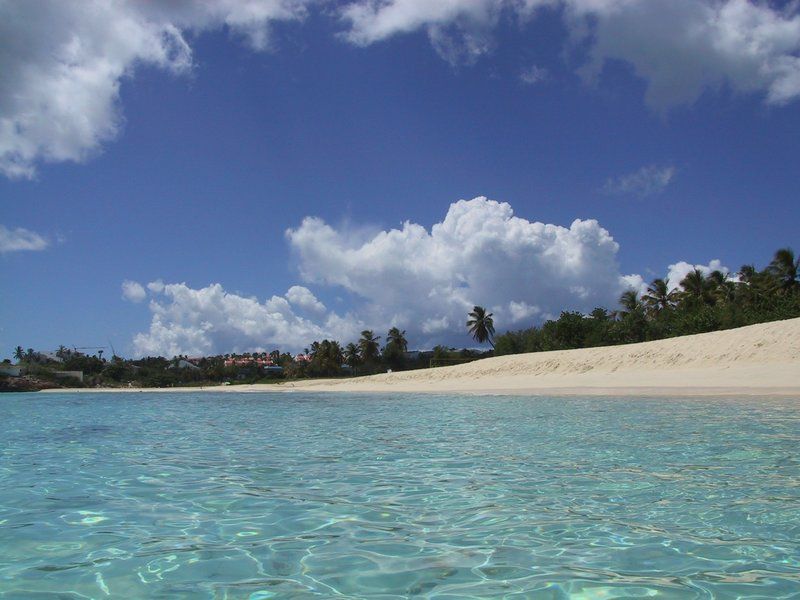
(62, 62)
(426, 281)
(680, 47)
(303, 298)
(156, 286)
(683, 47)
(210, 320)
(636, 283)
(423, 281)
(458, 29)
(133, 291)
(676, 272)
(647, 181)
(20, 239)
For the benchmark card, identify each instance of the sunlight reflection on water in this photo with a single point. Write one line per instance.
(289, 495)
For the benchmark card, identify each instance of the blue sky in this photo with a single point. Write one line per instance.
(212, 133)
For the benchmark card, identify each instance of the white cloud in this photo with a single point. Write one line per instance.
(636, 283)
(533, 75)
(62, 62)
(426, 281)
(210, 320)
(647, 181)
(422, 281)
(684, 47)
(680, 47)
(676, 272)
(156, 286)
(303, 298)
(458, 29)
(20, 239)
(133, 291)
(522, 310)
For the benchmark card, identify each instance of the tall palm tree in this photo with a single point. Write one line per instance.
(19, 353)
(630, 303)
(351, 356)
(697, 288)
(786, 269)
(720, 286)
(658, 296)
(397, 340)
(747, 273)
(481, 325)
(368, 345)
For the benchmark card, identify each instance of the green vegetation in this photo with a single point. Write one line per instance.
(481, 325)
(321, 359)
(701, 303)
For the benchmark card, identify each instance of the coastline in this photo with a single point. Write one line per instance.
(757, 360)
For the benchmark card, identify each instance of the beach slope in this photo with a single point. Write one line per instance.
(759, 359)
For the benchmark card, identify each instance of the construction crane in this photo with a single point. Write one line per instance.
(98, 348)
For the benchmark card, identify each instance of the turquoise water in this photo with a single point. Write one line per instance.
(293, 496)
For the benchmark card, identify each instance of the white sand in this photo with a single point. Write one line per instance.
(759, 360)
(756, 360)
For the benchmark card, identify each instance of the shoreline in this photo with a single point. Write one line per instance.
(757, 360)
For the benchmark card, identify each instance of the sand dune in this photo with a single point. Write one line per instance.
(756, 360)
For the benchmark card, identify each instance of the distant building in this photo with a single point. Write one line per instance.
(247, 361)
(184, 364)
(74, 374)
(51, 356)
(11, 370)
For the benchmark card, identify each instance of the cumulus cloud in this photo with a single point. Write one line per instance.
(20, 239)
(303, 298)
(210, 320)
(676, 272)
(421, 280)
(684, 47)
(680, 48)
(133, 291)
(62, 63)
(647, 181)
(424, 281)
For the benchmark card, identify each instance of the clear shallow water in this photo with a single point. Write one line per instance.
(262, 496)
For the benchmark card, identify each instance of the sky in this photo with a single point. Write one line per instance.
(209, 177)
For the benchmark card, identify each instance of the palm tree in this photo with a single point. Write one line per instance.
(747, 273)
(19, 353)
(368, 345)
(397, 340)
(696, 288)
(481, 325)
(786, 269)
(721, 288)
(630, 303)
(351, 357)
(395, 349)
(754, 287)
(658, 296)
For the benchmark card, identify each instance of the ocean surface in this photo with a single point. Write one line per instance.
(303, 496)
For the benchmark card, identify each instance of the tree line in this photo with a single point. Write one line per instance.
(701, 303)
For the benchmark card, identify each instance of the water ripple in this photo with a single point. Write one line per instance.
(290, 496)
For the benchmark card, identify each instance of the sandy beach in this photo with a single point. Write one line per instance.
(759, 360)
